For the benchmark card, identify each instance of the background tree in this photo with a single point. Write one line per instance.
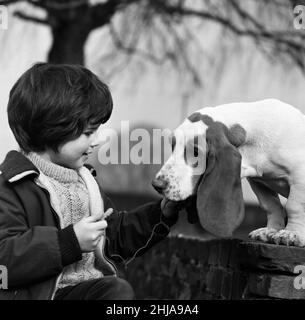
(163, 30)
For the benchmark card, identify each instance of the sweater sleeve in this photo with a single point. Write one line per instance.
(69, 246)
(132, 233)
(31, 254)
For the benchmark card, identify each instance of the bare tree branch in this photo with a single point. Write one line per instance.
(130, 50)
(286, 41)
(57, 5)
(156, 30)
(180, 53)
(38, 4)
(27, 17)
(245, 15)
(7, 2)
(102, 13)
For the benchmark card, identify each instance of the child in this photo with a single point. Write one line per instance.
(59, 234)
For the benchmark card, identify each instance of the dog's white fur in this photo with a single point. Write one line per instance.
(273, 160)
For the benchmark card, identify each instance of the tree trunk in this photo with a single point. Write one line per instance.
(69, 37)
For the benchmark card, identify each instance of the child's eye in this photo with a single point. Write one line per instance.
(88, 133)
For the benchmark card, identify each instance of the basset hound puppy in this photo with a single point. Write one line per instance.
(215, 147)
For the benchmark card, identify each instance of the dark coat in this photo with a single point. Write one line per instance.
(35, 249)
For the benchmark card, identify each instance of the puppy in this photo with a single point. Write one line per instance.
(215, 147)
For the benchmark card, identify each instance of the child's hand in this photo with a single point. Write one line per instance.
(171, 208)
(90, 229)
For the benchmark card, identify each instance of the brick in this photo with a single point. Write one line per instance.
(214, 254)
(214, 281)
(239, 284)
(270, 257)
(235, 254)
(227, 285)
(274, 286)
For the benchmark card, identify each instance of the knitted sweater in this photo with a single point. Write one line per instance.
(70, 189)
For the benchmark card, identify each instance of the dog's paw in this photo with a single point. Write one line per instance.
(288, 238)
(262, 234)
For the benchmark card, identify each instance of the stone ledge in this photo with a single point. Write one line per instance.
(183, 268)
(271, 257)
(274, 286)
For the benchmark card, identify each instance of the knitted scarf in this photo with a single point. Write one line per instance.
(74, 195)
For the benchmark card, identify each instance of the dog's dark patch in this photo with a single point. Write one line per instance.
(195, 117)
(236, 134)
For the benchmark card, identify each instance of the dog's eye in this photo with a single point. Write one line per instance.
(191, 153)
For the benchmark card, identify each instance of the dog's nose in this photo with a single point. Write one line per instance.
(159, 184)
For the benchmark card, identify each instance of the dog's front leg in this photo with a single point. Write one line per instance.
(270, 202)
(294, 233)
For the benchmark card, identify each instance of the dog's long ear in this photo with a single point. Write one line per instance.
(219, 196)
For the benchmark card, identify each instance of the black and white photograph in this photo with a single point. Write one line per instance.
(154, 151)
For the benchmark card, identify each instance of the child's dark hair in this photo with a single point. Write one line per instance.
(52, 104)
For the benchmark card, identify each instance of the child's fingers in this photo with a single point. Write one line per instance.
(100, 225)
(107, 213)
(101, 215)
(97, 216)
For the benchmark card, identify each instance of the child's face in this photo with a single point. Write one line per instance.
(73, 154)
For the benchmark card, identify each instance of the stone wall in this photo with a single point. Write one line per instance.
(181, 268)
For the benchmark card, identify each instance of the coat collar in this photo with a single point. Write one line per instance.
(16, 166)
